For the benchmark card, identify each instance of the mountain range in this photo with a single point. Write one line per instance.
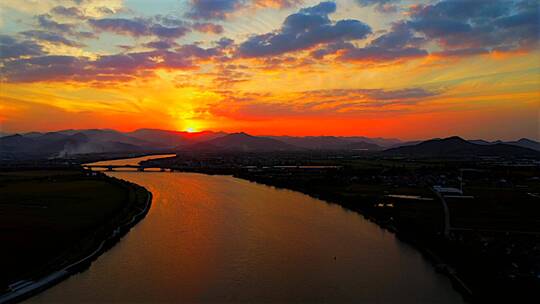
(68, 143)
(458, 147)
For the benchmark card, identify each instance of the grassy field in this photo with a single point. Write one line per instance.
(44, 215)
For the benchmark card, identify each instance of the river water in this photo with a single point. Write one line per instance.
(221, 239)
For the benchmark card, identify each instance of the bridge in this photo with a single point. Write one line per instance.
(116, 167)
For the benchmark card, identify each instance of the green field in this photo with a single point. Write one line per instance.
(47, 218)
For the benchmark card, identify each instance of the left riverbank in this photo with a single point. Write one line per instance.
(54, 223)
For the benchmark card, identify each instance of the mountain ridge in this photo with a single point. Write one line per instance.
(455, 146)
(70, 142)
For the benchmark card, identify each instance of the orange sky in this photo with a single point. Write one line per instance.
(275, 68)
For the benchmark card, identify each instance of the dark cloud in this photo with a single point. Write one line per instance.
(42, 68)
(400, 36)
(139, 27)
(398, 44)
(195, 51)
(459, 27)
(85, 35)
(382, 6)
(491, 24)
(213, 9)
(168, 32)
(11, 48)
(331, 49)
(161, 44)
(122, 67)
(220, 9)
(160, 26)
(321, 9)
(225, 42)
(303, 30)
(117, 67)
(71, 12)
(375, 2)
(135, 27)
(50, 37)
(46, 22)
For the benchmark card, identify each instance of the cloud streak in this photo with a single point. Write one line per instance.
(336, 102)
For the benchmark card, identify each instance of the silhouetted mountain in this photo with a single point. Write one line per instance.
(105, 135)
(81, 143)
(71, 142)
(457, 147)
(526, 143)
(523, 142)
(406, 143)
(360, 145)
(379, 141)
(66, 143)
(327, 143)
(243, 142)
(33, 134)
(480, 142)
(15, 143)
(171, 139)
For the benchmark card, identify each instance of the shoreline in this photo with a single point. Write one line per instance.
(27, 288)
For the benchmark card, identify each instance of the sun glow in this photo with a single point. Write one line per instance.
(190, 129)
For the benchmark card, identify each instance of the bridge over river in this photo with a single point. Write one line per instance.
(119, 167)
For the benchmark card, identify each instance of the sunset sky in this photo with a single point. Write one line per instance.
(391, 68)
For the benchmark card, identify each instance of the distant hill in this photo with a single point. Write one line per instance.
(379, 141)
(524, 142)
(405, 143)
(68, 143)
(242, 142)
(480, 142)
(172, 139)
(458, 147)
(328, 143)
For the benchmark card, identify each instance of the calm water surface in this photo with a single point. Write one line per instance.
(222, 239)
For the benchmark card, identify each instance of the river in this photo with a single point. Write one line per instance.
(222, 239)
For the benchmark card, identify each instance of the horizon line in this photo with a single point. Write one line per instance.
(9, 133)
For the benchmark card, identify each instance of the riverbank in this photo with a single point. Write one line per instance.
(100, 232)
